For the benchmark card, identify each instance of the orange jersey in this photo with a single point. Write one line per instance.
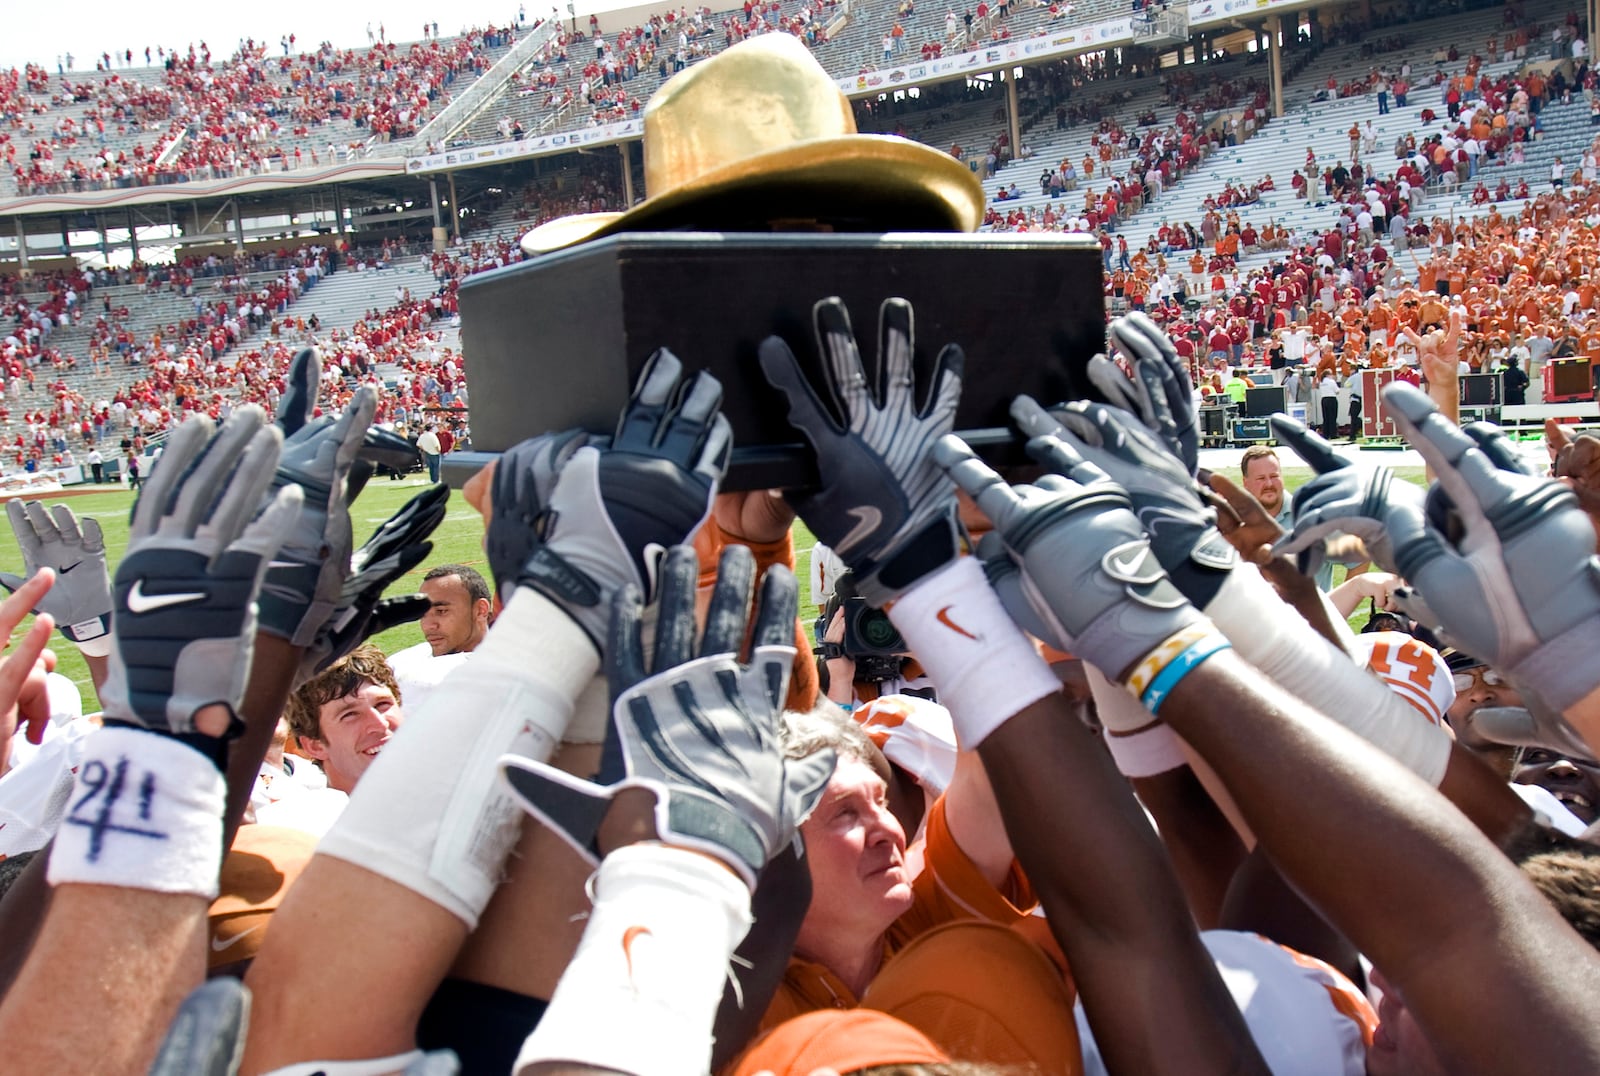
(949, 888)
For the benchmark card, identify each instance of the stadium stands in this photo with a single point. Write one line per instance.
(195, 119)
(194, 116)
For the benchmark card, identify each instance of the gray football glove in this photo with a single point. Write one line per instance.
(1181, 527)
(1160, 394)
(80, 601)
(1372, 505)
(612, 514)
(701, 732)
(306, 580)
(1521, 589)
(302, 383)
(1089, 575)
(883, 506)
(1531, 726)
(185, 616)
(524, 477)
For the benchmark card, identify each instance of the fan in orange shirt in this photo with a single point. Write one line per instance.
(1427, 275)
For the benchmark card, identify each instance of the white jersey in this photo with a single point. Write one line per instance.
(1305, 1017)
(826, 568)
(274, 783)
(312, 811)
(418, 672)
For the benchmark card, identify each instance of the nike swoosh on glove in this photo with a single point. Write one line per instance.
(80, 602)
(185, 615)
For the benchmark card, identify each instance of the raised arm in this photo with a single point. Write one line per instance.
(706, 802)
(75, 551)
(135, 864)
(421, 847)
(1063, 800)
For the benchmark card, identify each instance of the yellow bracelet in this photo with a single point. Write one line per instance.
(1151, 664)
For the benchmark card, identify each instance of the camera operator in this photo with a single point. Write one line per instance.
(860, 654)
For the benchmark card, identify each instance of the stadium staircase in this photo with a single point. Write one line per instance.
(340, 300)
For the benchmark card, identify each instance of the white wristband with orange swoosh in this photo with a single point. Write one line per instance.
(984, 666)
(642, 991)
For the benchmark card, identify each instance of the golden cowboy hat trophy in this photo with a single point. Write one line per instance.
(759, 137)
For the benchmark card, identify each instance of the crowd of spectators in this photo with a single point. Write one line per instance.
(154, 370)
(592, 70)
(238, 333)
(194, 119)
(1506, 292)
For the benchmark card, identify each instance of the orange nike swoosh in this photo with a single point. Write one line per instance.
(943, 616)
(628, 938)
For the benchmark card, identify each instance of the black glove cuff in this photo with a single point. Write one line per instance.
(936, 545)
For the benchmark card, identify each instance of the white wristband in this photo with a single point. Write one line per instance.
(1140, 743)
(145, 813)
(1154, 751)
(1277, 640)
(93, 646)
(985, 668)
(642, 991)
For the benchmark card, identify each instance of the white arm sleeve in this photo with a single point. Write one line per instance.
(431, 813)
(1277, 640)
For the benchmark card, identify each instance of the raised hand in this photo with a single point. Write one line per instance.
(519, 492)
(883, 506)
(1181, 526)
(1372, 505)
(612, 514)
(700, 727)
(185, 614)
(1521, 587)
(1160, 394)
(393, 550)
(80, 601)
(1088, 572)
(307, 578)
(1577, 462)
(1242, 521)
(301, 386)
(24, 696)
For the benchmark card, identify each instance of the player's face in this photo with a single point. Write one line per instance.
(1265, 483)
(354, 730)
(1399, 1048)
(1475, 689)
(454, 623)
(1572, 781)
(856, 849)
